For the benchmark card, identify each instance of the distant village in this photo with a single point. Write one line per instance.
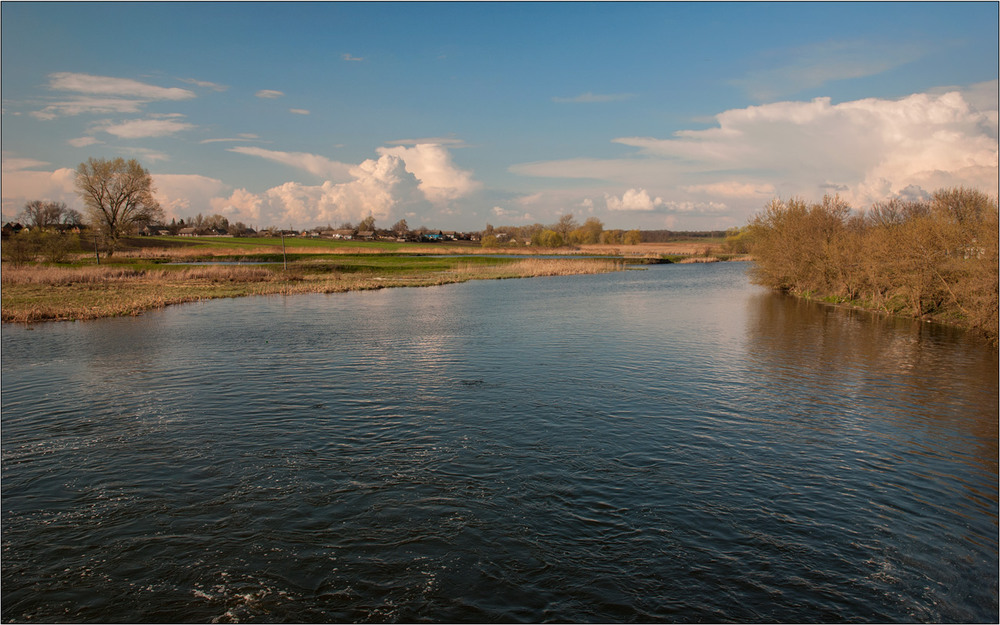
(221, 228)
(56, 217)
(345, 234)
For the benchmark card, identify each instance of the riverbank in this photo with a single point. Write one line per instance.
(934, 260)
(40, 293)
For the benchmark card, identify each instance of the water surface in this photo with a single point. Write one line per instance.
(668, 444)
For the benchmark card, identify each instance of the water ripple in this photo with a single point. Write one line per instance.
(673, 445)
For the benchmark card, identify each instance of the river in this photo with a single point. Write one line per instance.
(668, 444)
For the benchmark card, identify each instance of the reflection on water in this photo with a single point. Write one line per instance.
(918, 373)
(669, 444)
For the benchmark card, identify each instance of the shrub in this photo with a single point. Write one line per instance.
(936, 259)
(20, 249)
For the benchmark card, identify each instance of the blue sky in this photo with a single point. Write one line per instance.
(454, 115)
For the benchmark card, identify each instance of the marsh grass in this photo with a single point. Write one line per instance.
(63, 276)
(38, 293)
(538, 267)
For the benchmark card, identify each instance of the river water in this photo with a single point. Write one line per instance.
(671, 444)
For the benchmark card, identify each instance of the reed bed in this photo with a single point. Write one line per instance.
(538, 267)
(54, 276)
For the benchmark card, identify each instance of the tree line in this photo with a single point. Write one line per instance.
(118, 197)
(934, 259)
(566, 231)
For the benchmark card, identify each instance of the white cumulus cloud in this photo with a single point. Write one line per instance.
(185, 195)
(633, 200)
(402, 182)
(269, 94)
(21, 185)
(381, 188)
(440, 180)
(867, 150)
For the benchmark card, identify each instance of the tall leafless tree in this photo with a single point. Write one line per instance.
(118, 195)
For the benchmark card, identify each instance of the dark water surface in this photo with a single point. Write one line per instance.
(669, 444)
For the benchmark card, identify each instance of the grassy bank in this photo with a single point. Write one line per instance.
(132, 286)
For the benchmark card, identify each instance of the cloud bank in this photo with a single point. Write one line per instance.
(867, 150)
(411, 182)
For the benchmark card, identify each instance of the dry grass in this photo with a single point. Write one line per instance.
(537, 267)
(63, 276)
(56, 293)
(655, 250)
(54, 276)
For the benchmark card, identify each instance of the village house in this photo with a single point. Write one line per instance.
(10, 228)
(153, 230)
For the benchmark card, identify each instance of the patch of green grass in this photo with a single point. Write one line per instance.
(300, 242)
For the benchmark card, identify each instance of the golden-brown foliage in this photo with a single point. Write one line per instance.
(936, 259)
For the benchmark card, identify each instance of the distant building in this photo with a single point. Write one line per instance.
(10, 228)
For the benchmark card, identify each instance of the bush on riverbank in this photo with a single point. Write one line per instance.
(935, 259)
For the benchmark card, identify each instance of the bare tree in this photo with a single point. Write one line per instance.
(565, 225)
(72, 217)
(118, 195)
(40, 214)
(401, 228)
